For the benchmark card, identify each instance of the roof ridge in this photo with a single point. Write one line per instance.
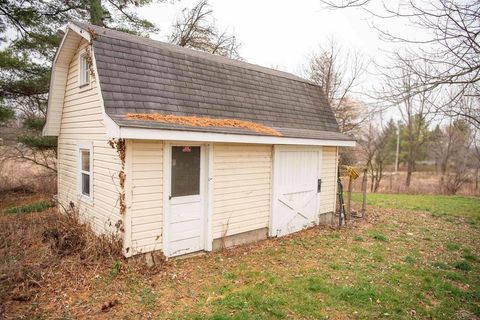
(192, 52)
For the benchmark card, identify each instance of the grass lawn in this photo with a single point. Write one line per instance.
(398, 264)
(459, 206)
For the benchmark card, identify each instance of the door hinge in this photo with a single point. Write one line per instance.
(319, 185)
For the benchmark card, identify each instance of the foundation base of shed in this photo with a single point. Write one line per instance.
(326, 219)
(239, 239)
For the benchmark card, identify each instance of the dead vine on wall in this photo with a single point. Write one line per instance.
(119, 146)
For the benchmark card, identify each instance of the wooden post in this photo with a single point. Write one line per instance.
(349, 198)
(364, 193)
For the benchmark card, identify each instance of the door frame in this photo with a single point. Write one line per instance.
(277, 149)
(206, 185)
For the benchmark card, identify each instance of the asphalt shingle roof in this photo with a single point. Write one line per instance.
(140, 75)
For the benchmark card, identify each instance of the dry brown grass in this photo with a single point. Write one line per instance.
(16, 175)
(42, 249)
(275, 273)
(424, 182)
(205, 122)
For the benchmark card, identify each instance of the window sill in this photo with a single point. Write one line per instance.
(85, 86)
(84, 199)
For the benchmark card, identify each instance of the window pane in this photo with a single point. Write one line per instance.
(84, 72)
(185, 171)
(86, 160)
(87, 72)
(86, 184)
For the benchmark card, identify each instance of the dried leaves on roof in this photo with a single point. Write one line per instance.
(205, 122)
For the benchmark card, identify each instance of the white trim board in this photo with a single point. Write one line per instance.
(177, 135)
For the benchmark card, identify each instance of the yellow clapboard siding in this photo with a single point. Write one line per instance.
(329, 175)
(149, 215)
(146, 194)
(147, 182)
(144, 190)
(242, 188)
(82, 120)
(233, 191)
(242, 198)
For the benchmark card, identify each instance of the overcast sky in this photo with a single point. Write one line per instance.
(283, 33)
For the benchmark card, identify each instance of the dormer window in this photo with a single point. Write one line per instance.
(84, 77)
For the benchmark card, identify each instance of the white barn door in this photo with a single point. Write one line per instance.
(295, 188)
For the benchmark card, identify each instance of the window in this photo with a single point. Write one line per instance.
(185, 171)
(85, 171)
(84, 76)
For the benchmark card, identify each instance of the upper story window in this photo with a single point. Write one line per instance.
(84, 70)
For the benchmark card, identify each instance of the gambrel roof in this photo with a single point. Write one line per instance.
(138, 75)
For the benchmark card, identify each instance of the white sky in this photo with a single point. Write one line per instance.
(276, 33)
(283, 33)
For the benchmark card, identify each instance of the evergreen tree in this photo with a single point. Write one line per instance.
(29, 36)
(390, 133)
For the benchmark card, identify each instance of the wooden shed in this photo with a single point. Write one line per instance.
(182, 151)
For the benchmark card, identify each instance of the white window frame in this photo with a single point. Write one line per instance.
(83, 74)
(83, 146)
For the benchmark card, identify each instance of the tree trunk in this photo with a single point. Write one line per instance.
(349, 198)
(476, 180)
(410, 165)
(364, 192)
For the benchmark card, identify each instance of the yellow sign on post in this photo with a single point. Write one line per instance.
(352, 172)
(352, 175)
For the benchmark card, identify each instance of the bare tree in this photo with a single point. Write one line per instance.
(447, 141)
(449, 53)
(455, 148)
(476, 157)
(461, 167)
(374, 144)
(196, 29)
(338, 72)
(415, 107)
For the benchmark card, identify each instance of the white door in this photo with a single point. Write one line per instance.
(296, 187)
(186, 200)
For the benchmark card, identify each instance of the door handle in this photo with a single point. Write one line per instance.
(319, 185)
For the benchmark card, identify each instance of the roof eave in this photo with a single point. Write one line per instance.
(195, 136)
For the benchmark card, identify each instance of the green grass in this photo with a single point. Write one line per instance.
(467, 207)
(29, 208)
(373, 273)
(379, 236)
(400, 265)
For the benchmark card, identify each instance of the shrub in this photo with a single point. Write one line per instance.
(38, 142)
(69, 235)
